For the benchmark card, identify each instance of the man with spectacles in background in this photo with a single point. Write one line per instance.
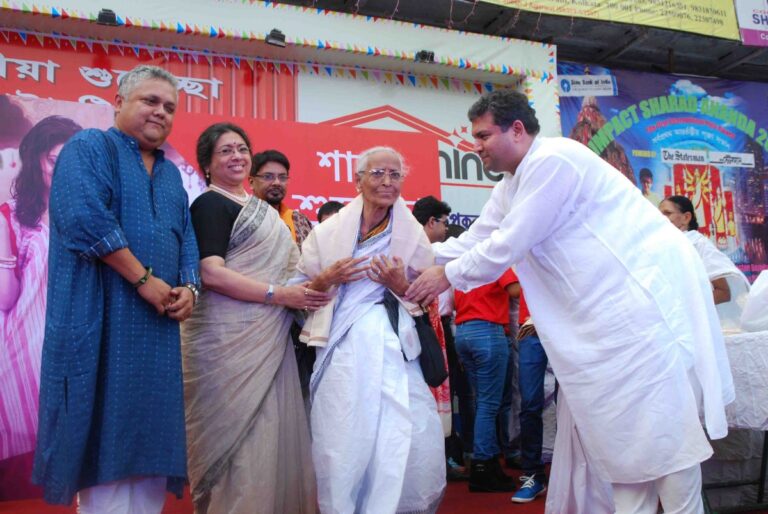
(269, 178)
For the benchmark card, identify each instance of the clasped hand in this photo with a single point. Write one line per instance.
(390, 273)
(176, 302)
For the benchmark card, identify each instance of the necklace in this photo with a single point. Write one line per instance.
(238, 198)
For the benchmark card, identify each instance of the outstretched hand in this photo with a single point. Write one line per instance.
(301, 297)
(428, 286)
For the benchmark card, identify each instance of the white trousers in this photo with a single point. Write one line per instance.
(679, 493)
(130, 496)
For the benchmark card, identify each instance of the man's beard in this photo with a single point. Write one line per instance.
(274, 198)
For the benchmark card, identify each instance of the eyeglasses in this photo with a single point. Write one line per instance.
(229, 151)
(444, 221)
(270, 177)
(378, 174)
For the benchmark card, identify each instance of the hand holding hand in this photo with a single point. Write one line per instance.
(428, 286)
(390, 273)
(182, 302)
(156, 292)
(301, 297)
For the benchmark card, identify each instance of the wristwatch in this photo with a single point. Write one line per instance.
(270, 296)
(195, 291)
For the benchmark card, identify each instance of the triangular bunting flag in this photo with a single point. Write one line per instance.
(412, 79)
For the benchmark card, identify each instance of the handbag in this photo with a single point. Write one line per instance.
(305, 356)
(431, 357)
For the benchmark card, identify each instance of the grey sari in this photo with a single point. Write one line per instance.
(247, 432)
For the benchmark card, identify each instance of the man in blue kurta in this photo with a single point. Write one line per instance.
(122, 274)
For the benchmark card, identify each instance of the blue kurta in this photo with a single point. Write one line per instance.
(111, 393)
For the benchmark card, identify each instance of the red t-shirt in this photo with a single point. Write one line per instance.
(522, 310)
(487, 303)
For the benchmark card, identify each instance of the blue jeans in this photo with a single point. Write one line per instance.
(510, 446)
(533, 365)
(482, 348)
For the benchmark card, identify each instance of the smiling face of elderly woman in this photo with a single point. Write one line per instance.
(380, 177)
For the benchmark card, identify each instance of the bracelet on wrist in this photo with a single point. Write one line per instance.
(143, 280)
(270, 296)
(195, 292)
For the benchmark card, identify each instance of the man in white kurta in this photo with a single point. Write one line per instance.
(621, 301)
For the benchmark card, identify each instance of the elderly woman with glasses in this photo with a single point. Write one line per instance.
(247, 432)
(377, 442)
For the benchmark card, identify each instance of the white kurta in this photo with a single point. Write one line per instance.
(718, 265)
(621, 302)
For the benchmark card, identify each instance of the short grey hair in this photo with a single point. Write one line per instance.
(139, 74)
(364, 158)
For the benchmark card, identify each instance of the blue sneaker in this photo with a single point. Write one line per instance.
(530, 489)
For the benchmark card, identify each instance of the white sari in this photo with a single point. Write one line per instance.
(718, 265)
(377, 441)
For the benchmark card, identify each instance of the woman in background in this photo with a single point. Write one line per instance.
(729, 285)
(23, 286)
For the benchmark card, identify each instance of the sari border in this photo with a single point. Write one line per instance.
(248, 221)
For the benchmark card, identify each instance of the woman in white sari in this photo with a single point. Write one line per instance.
(247, 432)
(729, 285)
(377, 442)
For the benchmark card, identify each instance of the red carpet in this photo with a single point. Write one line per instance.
(457, 501)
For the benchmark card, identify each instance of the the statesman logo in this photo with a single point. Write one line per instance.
(724, 159)
(677, 156)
